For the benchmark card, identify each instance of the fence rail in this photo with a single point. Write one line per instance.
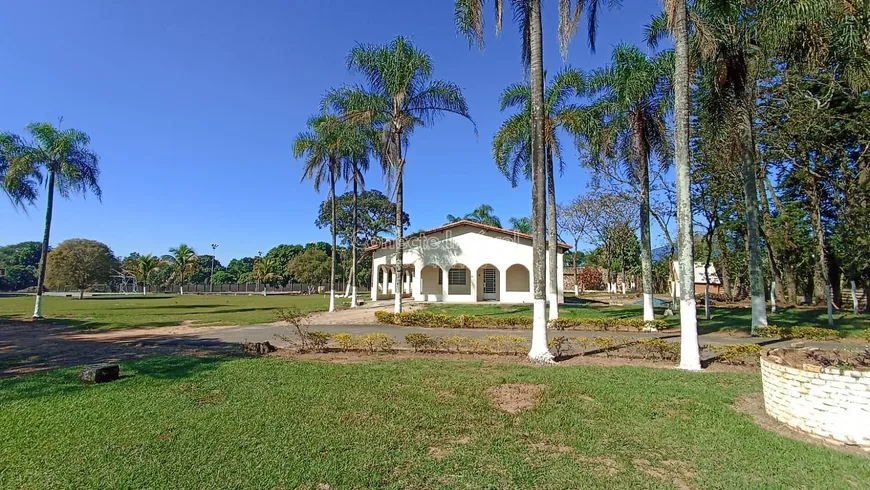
(290, 288)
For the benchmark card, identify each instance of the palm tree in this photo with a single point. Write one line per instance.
(522, 225)
(483, 214)
(358, 165)
(400, 96)
(511, 146)
(724, 45)
(633, 103)
(183, 262)
(143, 268)
(690, 355)
(468, 16)
(71, 166)
(321, 148)
(264, 271)
(19, 179)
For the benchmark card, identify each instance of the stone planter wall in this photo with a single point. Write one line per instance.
(826, 402)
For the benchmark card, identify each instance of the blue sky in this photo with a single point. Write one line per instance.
(193, 106)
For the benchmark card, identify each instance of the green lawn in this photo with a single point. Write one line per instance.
(736, 318)
(106, 312)
(182, 422)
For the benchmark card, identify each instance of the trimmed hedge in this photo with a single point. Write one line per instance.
(806, 333)
(607, 324)
(435, 320)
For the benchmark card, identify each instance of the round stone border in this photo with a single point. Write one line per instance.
(829, 403)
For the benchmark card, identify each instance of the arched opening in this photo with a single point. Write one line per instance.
(458, 280)
(431, 279)
(517, 279)
(488, 283)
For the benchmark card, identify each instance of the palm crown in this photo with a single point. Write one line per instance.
(183, 262)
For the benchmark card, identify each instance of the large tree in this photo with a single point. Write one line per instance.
(310, 267)
(143, 268)
(79, 264)
(574, 220)
(400, 96)
(512, 151)
(71, 167)
(633, 100)
(468, 17)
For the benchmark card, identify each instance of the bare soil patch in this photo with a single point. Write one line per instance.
(674, 471)
(814, 359)
(515, 397)
(752, 404)
(363, 315)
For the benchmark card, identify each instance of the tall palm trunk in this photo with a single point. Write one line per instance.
(576, 283)
(539, 351)
(397, 277)
(821, 248)
(645, 242)
(353, 249)
(750, 194)
(690, 355)
(552, 239)
(332, 172)
(43, 255)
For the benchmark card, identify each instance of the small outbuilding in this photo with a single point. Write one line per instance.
(700, 279)
(461, 262)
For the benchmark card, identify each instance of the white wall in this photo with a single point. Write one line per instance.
(473, 248)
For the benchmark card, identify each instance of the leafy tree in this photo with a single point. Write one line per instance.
(79, 264)
(222, 277)
(282, 255)
(183, 262)
(376, 216)
(143, 268)
(400, 97)
(71, 167)
(633, 101)
(574, 219)
(202, 271)
(20, 261)
(481, 214)
(237, 268)
(310, 267)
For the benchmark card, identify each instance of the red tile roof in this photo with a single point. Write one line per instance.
(456, 224)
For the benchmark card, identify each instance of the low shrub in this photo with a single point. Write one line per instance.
(582, 343)
(604, 344)
(377, 342)
(421, 342)
(317, 340)
(736, 354)
(345, 341)
(607, 324)
(557, 345)
(806, 333)
(506, 344)
(865, 335)
(658, 349)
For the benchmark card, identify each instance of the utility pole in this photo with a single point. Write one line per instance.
(214, 247)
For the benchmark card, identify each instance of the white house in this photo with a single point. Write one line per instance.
(462, 262)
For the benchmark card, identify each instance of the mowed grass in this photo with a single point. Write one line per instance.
(738, 318)
(108, 312)
(184, 422)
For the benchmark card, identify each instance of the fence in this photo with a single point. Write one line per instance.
(290, 288)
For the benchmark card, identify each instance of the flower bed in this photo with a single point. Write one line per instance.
(828, 402)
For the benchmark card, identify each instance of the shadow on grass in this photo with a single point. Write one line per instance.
(126, 298)
(65, 382)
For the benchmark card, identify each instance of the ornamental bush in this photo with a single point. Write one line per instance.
(736, 354)
(807, 333)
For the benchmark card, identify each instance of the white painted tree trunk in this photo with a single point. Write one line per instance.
(331, 298)
(539, 352)
(346, 291)
(553, 310)
(648, 312)
(773, 296)
(144, 290)
(37, 309)
(577, 290)
(397, 290)
(353, 296)
(854, 298)
(623, 287)
(181, 290)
